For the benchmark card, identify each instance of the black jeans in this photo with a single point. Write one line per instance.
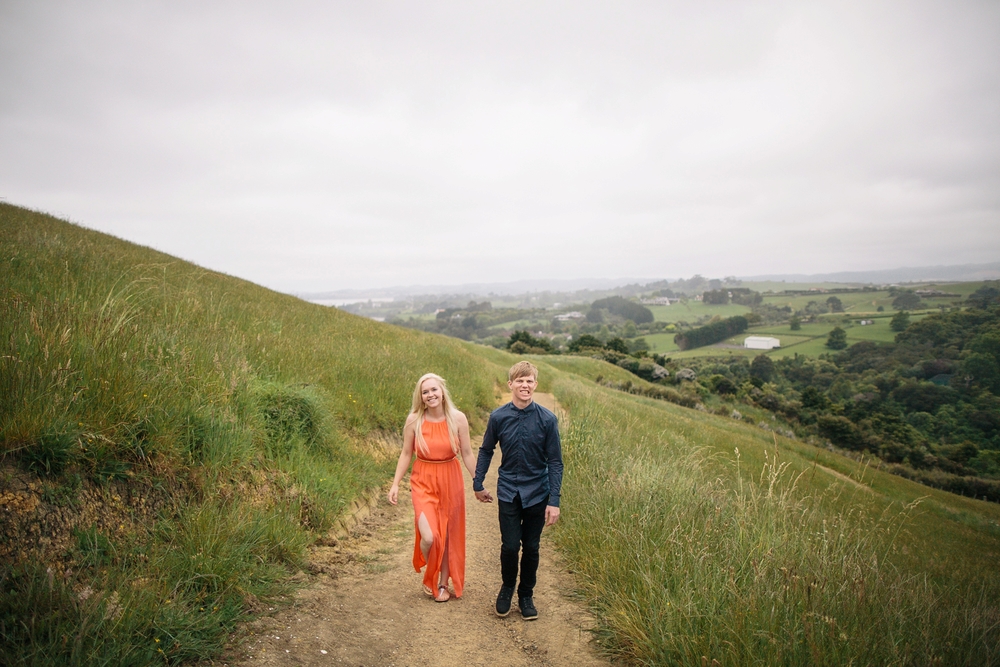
(520, 531)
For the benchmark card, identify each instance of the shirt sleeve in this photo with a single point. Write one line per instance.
(485, 454)
(553, 453)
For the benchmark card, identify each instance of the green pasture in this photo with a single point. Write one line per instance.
(661, 342)
(691, 310)
(781, 286)
(809, 340)
(861, 302)
(531, 324)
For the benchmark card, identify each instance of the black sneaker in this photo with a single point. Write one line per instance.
(503, 600)
(528, 611)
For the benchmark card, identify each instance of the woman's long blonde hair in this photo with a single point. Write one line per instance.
(418, 408)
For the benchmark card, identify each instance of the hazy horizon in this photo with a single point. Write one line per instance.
(335, 146)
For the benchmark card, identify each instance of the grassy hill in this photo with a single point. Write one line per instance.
(173, 438)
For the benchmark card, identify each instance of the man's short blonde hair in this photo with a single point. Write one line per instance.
(522, 369)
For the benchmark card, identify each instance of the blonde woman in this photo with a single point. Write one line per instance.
(439, 435)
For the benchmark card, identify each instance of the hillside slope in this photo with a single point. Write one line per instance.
(173, 438)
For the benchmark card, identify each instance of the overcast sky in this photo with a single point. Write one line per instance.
(331, 145)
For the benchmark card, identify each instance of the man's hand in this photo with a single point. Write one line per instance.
(484, 496)
(551, 515)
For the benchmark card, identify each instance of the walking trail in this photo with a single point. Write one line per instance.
(364, 605)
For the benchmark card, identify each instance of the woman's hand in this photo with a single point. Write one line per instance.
(393, 494)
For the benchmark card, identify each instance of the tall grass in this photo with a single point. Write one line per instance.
(690, 557)
(248, 410)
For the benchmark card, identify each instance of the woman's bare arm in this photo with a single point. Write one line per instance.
(405, 458)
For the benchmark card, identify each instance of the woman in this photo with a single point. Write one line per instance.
(439, 434)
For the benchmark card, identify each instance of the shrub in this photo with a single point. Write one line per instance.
(528, 342)
(841, 431)
(837, 340)
(584, 341)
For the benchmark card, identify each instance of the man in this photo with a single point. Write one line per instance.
(528, 484)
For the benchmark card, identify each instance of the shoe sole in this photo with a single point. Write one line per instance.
(530, 618)
(503, 615)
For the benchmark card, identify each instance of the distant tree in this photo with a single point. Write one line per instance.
(836, 306)
(483, 307)
(625, 309)
(762, 367)
(906, 300)
(717, 297)
(595, 316)
(841, 431)
(837, 340)
(795, 323)
(584, 341)
(638, 346)
(900, 321)
(745, 297)
(629, 329)
(880, 309)
(983, 362)
(711, 333)
(986, 296)
(617, 344)
(814, 399)
(724, 385)
(524, 342)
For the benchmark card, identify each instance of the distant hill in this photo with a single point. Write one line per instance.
(477, 289)
(957, 273)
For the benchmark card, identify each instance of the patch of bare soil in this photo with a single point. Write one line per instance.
(364, 604)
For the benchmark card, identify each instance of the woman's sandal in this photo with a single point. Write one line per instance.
(443, 595)
(428, 591)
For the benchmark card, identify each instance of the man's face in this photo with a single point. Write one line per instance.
(522, 389)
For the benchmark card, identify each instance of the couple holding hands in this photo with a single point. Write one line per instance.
(528, 484)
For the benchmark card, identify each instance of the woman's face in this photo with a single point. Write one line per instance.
(431, 393)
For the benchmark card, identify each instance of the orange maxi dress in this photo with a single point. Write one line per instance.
(438, 492)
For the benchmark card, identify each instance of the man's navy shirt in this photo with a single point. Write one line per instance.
(531, 458)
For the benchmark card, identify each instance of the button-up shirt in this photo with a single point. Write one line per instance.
(531, 457)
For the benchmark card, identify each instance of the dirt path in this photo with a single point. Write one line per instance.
(364, 604)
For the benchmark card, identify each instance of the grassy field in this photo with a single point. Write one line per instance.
(699, 540)
(255, 418)
(809, 340)
(690, 311)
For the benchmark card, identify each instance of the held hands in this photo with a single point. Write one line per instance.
(551, 515)
(484, 496)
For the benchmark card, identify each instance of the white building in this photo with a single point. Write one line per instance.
(761, 343)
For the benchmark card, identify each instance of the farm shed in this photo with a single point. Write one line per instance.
(761, 342)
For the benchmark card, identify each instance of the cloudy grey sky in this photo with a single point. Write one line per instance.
(331, 145)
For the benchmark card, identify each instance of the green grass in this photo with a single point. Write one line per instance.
(662, 342)
(690, 311)
(697, 539)
(253, 419)
(809, 340)
(123, 366)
